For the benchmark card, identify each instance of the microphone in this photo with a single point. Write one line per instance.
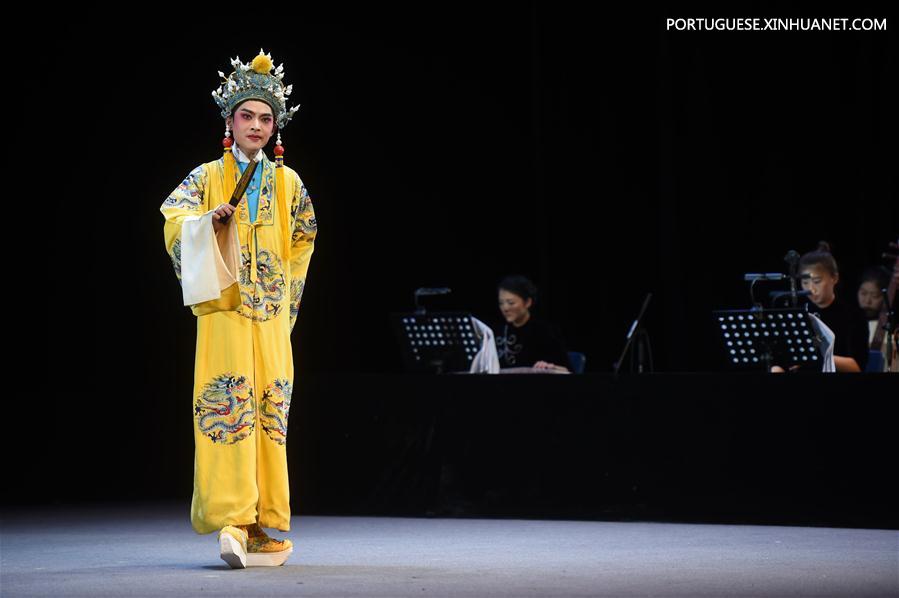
(432, 291)
(764, 276)
(426, 292)
(792, 258)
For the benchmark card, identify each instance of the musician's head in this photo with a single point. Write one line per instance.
(252, 124)
(820, 274)
(517, 295)
(870, 293)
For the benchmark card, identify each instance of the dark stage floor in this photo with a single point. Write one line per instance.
(151, 550)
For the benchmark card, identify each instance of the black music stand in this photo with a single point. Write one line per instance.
(757, 338)
(436, 342)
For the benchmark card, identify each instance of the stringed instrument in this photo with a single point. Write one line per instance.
(890, 357)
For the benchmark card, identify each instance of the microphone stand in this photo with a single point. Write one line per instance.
(792, 258)
(888, 328)
(643, 347)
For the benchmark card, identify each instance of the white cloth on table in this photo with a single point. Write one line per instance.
(486, 360)
(827, 339)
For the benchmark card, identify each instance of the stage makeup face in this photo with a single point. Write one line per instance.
(820, 283)
(252, 125)
(514, 308)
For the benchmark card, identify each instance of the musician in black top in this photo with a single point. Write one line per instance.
(521, 339)
(820, 275)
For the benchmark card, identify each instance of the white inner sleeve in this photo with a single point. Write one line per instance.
(209, 262)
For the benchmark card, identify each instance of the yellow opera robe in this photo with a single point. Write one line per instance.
(243, 371)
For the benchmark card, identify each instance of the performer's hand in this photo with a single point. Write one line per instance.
(545, 365)
(223, 210)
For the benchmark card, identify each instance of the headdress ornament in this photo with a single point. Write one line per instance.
(255, 81)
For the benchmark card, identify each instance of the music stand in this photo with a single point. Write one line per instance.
(757, 338)
(436, 342)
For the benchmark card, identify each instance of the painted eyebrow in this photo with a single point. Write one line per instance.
(251, 112)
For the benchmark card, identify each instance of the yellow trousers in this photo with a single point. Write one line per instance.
(242, 389)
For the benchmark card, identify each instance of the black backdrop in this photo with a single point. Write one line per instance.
(595, 152)
(450, 145)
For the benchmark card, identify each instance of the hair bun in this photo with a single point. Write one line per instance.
(824, 246)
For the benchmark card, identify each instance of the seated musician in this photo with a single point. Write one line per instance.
(870, 297)
(820, 276)
(521, 339)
